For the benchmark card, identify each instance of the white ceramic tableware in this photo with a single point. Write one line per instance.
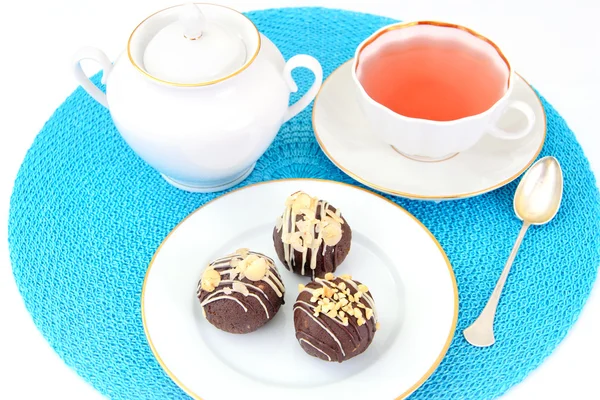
(347, 138)
(403, 265)
(199, 94)
(431, 140)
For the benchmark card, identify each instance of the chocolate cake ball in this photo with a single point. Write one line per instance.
(335, 318)
(311, 237)
(240, 292)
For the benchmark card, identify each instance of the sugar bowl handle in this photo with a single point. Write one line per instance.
(302, 60)
(92, 53)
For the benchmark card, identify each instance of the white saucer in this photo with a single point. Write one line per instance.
(405, 268)
(346, 138)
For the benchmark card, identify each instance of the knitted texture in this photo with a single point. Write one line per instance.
(87, 215)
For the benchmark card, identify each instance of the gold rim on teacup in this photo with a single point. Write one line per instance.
(424, 139)
(401, 25)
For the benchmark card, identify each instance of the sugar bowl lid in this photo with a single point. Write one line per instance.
(194, 44)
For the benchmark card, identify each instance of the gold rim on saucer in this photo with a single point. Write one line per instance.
(414, 387)
(413, 195)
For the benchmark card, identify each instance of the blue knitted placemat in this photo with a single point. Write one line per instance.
(87, 215)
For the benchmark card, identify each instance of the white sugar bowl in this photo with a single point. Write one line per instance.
(199, 94)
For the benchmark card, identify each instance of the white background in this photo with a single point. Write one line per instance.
(553, 44)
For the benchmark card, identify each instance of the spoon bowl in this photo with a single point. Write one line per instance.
(539, 193)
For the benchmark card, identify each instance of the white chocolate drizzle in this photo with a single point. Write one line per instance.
(325, 328)
(309, 232)
(237, 266)
(343, 301)
(315, 347)
(224, 297)
(248, 285)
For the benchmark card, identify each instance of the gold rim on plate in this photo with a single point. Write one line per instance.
(413, 195)
(414, 387)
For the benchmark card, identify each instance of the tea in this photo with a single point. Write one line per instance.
(439, 80)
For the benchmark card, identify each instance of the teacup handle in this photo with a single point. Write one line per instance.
(527, 111)
(92, 53)
(302, 60)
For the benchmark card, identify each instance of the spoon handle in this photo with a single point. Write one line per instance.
(481, 332)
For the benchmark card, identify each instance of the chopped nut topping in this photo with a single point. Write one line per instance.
(256, 268)
(299, 240)
(312, 231)
(301, 287)
(340, 302)
(302, 200)
(242, 252)
(377, 326)
(332, 231)
(346, 276)
(210, 279)
(336, 216)
(240, 288)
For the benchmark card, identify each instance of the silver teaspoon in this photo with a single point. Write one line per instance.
(536, 202)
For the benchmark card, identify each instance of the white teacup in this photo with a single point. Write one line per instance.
(477, 105)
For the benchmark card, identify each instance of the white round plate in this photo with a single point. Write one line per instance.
(403, 265)
(346, 138)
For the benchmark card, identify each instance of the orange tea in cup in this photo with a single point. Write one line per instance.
(439, 78)
(433, 89)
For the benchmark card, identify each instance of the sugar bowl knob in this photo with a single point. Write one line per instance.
(193, 21)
